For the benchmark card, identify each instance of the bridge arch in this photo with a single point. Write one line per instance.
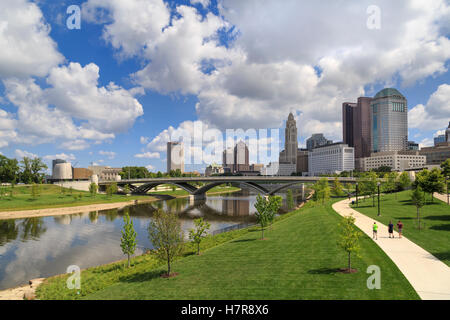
(250, 185)
(148, 186)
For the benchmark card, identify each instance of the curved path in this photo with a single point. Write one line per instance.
(429, 276)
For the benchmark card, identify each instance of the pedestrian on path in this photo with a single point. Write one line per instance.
(375, 231)
(400, 228)
(391, 230)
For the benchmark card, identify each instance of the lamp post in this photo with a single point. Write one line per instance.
(378, 185)
(357, 194)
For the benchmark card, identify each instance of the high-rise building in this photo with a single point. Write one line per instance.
(175, 156)
(317, 140)
(290, 141)
(228, 160)
(356, 126)
(389, 121)
(412, 146)
(241, 157)
(439, 139)
(330, 159)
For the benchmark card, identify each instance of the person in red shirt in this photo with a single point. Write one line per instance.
(400, 228)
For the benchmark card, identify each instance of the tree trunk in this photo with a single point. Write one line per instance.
(349, 263)
(128, 260)
(373, 200)
(418, 217)
(262, 230)
(198, 248)
(168, 266)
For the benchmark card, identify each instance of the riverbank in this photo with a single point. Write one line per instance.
(298, 260)
(45, 212)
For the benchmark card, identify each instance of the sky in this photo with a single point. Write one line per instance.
(138, 73)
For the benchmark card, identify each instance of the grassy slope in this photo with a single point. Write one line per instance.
(435, 234)
(298, 261)
(50, 197)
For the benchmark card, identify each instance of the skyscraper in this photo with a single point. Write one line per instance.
(389, 121)
(241, 157)
(317, 140)
(175, 156)
(290, 141)
(356, 126)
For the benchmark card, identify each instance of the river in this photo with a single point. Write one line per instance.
(42, 247)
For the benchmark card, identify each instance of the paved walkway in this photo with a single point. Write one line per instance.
(442, 197)
(429, 276)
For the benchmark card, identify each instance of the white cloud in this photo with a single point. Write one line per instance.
(27, 49)
(46, 115)
(22, 154)
(110, 154)
(148, 155)
(150, 167)
(144, 140)
(8, 125)
(435, 114)
(63, 156)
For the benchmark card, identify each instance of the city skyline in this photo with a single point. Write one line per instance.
(90, 95)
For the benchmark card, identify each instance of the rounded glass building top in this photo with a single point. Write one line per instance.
(387, 92)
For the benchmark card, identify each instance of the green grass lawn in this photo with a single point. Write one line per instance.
(298, 260)
(434, 235)
(50, 196)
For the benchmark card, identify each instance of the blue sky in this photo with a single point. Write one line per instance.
(229, 65)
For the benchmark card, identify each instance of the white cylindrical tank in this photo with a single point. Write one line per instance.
(94, 178)
(62, 171)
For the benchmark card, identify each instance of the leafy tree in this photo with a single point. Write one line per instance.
(371, 185)
(166, 236)
(36, 169)
(126, 189)
(430, 181)
(111, 189)
(128, 241)
(289, 199)
(135, 173)
(337, 188)
(445, 167)
(197, 234)
(9, 169)
(11, 192)
(266, 209)
(390, 181)
(418, 199)
(93, 188)
(321, 190)
(403, 181)
(349, 238)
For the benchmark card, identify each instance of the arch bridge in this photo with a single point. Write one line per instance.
(257, 183)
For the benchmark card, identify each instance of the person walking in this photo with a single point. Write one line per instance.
(400, 228)
(375, 231)
(391, 230)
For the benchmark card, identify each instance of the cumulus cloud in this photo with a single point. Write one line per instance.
(23, 153)
(148, 155)
(47, 114)
(27, 48)
(63, 156)
(286, 56)
(8, 131)
(435, 114)
(110, 154)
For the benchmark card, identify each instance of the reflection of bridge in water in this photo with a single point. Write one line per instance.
(259, 183)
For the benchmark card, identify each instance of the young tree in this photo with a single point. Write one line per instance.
(93, 188)
(128, 241)
(266, 209)
(418, 199)
(34, 190)
(126, 189)
(371, 184)
(403, 181)
(445, 167)
(349, 238)
(166, 236)
(289, 200)
(321, 190)
(337, 188)
(11, 192)
(197, 234)
(430, 181)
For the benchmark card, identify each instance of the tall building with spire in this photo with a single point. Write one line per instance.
(291, 159)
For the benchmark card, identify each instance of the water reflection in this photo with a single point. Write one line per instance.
(41, 247)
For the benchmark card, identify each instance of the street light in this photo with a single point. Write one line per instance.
(378, 184)
(357, 194)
